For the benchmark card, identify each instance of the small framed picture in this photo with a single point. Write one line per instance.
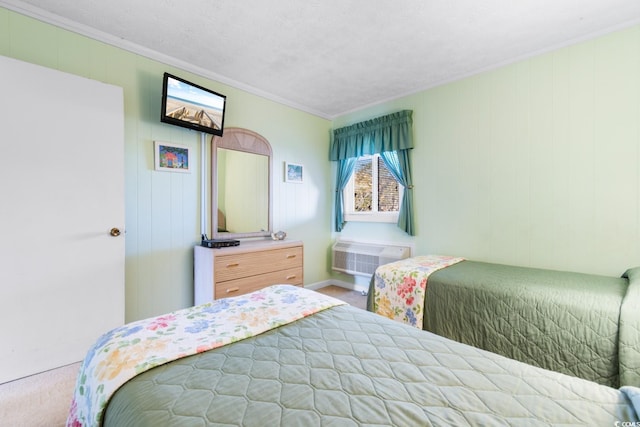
(293, 173)
(172, 157)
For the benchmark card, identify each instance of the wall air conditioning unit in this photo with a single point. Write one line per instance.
(362, 259)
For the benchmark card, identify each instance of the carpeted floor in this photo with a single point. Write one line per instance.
(40, 400)
(355, 298)
(43, 400)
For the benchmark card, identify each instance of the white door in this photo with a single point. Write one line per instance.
(62, 191)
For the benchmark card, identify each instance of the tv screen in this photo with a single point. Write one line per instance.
(192, 106)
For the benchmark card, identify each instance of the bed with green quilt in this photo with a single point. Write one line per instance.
(583, 325)
(287, 356)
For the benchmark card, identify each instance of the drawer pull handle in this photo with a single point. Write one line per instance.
(233, 264)
(291, 256)
(230, 290)
(291, 276)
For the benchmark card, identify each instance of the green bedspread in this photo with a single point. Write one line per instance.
(348, 367)
(566, 322)
(629, 340)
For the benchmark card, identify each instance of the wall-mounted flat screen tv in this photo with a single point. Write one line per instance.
(192, 106)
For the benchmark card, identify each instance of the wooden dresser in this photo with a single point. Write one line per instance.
(232, 271)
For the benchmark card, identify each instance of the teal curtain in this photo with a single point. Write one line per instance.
(387, 133)
(390, 133)
(400, 167)
(345, 170)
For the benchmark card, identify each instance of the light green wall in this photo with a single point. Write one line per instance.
(162, 208)
(536, 163)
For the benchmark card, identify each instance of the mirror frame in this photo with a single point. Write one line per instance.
(245, 140)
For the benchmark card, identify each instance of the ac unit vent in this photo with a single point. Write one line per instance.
(363, 258)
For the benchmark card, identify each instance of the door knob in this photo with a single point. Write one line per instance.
(115, 232)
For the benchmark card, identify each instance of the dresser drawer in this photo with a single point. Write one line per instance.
(237, 266)
(230, 288)
(230, 271)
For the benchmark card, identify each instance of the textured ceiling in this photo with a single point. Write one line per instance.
(329, 57)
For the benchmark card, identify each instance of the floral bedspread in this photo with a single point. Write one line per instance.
(129, 350)
(400, 287)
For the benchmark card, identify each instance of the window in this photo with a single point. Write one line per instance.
(372, 194)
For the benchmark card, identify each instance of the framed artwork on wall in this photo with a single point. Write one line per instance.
(293, 173)
(172, 157)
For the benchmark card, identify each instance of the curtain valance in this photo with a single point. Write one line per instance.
(392, 132)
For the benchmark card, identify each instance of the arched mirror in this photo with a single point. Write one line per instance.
(241, 185)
